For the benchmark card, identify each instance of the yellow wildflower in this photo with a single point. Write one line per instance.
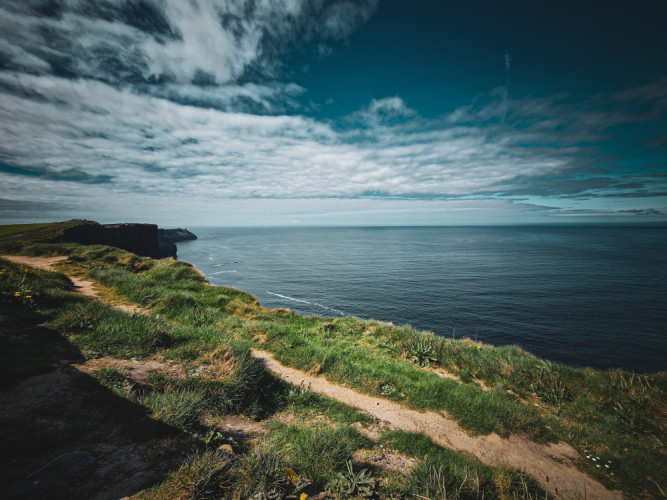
(291, 475)
(17, 294)
(28, 296)
(303, 496)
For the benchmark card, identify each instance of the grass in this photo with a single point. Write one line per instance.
(342, 350)
(9, 229)
(318, 452)
(101, 330)
(202, 475)
(179, 408)
(28, 238)
(55, 413)
(445, 474)
(295, 459)
(613, 416)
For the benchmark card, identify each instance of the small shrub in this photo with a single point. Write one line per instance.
(549, 385)
(350, 483)
(215, 439)
(422, 352)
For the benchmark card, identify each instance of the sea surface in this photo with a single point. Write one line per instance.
(583, 296)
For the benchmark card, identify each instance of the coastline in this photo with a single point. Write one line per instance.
(573, 308)
(199, 335)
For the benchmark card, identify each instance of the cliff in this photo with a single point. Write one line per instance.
(141, 239)
(176, 235)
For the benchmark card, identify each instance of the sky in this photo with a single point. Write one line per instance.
(341, 112)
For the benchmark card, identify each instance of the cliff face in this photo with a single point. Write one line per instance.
(141, 239)
(176, 235)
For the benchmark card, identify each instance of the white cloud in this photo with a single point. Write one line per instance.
(151, 145)
(78, 106)
(389, 106)
(341, 18)
(385, 111)
(179, 40)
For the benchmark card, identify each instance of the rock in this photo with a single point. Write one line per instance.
(57, 479)
(176, 235)
(141, 239)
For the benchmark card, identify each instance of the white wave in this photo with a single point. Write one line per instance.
(307, 302)
(221, 272)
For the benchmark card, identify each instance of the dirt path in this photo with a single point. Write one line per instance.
(84, 287)
(551, 465)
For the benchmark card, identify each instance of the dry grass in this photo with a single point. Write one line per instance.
(218, 365)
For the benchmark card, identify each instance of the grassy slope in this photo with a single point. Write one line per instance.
(616, 416)
(21, 228)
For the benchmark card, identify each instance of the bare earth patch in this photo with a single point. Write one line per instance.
(137, 371)
(239, 427)
(387, 460)
(43, 263)
(442, 373)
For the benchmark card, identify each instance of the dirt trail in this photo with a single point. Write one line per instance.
(84, 287)
(551, 465)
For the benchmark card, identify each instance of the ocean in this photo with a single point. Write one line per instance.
(583, 296)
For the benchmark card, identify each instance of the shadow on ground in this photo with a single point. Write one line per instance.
(63, 434)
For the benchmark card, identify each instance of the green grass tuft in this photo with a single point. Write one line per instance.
(318, 453)
(178, 408)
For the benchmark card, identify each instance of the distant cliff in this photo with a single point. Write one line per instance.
(176, 235)
(142, 239)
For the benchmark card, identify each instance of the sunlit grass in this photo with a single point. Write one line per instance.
(441, 473)
(21, 228)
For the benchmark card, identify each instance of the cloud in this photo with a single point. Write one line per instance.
(268, 98)
(62, 175)
(149, 41)
(149, 100)
(648, 211)
(389, 107)
(341, 18)
(85, 131)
